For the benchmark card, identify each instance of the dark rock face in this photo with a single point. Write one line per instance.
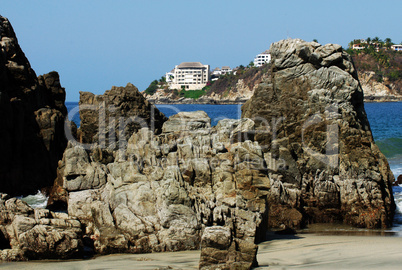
(111, 118)
(322, 161)
(32, 114)
(398, 180)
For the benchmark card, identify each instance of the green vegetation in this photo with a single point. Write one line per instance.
(194, 94)
(155, 85)
(375, 43)
(379, 58)
(152, 87)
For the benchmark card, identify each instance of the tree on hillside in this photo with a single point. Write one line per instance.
(388, 43)
(376, 40)
(152, 88)
(368, 40)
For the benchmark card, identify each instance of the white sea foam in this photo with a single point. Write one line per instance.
(398, 201)
(39, 200)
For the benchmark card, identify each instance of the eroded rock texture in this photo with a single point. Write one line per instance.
(111, 118)
(27, 233)
(107, 122)
(32, 114)
(323, 163)
(161, 192)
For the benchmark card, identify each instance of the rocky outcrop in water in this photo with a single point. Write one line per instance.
(166, 192)
(310, 121)
(111, 118)
(32, 114)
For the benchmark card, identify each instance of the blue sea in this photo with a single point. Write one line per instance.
(215, 112)
(385, 121)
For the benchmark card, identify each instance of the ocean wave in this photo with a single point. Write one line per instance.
(390, 147)
(39, 200)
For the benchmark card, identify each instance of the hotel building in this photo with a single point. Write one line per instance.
(191, 75)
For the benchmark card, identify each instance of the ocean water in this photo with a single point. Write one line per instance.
(386, 125)
(385, 121)
(38, 200)
(73, 115)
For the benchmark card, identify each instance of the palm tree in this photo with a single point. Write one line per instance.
(376, 39)
(368, 40)
(388, 42)
(377, 43)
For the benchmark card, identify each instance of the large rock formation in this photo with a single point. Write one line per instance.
(32, 114)
(107, 122)
(111, 118)
(323, 163)
(161, 192)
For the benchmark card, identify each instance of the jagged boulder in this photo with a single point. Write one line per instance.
(111, 118)
(27, 233)
(32, 115)
(310, 121)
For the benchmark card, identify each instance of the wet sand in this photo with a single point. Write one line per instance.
(301, 251)
(314, 251)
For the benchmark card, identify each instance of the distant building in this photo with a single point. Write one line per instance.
(217, 72)
(191, 75)
(397, 47)
(262, 59)
(169, 76)
(364, 44)
(226, 69)
(358, 47)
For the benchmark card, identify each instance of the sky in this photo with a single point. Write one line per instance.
(96, 44)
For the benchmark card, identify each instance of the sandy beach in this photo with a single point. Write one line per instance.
(301, 251)
(311, 251)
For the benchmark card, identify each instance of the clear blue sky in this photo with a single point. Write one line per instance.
(95, 44)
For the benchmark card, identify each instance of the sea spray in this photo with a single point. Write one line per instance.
(39, 200)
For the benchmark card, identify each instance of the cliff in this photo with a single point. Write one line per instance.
(380, 74)
(323, 163)
(32, 115)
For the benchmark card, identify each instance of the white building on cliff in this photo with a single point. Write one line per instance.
(262, 58)
(190, 75)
